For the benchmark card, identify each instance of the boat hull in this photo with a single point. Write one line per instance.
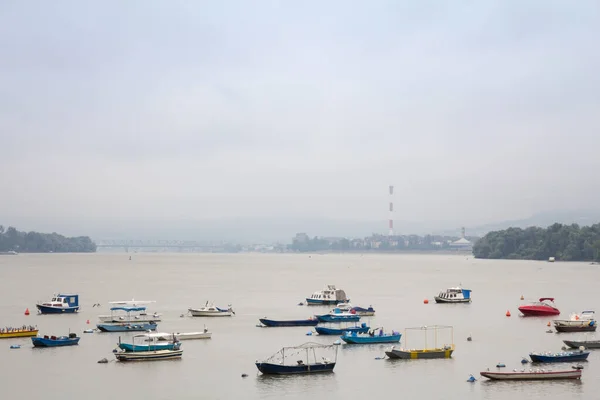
(591, 344)
(442, 300)
(575, 328)
(338, 318)
(366, 339)
(193, 335)
(321, 330)
(56, 310)
(149, 355)
(529, 311)
(576, 356)
(140, 327)
(325, 302)
(149, 347)
(299, 322)
(18, 334)
(529, 376)
(43, 342)
(278, 369)
(420, 354)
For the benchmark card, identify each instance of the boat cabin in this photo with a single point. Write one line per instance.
(455, 293)
(330, 293)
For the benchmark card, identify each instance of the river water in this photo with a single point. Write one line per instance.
(271, 285)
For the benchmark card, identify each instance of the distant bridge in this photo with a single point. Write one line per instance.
(180, 245)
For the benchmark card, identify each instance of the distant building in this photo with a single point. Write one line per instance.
(462, 244)
(301, 238)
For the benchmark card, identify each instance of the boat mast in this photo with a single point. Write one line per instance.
(307, 361)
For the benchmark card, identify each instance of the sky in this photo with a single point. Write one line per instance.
(121, 113)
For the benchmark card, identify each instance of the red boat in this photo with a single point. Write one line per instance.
(540, 309)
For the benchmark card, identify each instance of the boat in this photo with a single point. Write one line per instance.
(336, 315)
(584, 322)
(540, 309)
(363, 312)
(436, 351)
(323, 330)
(23, 331)
(292, 322)
(8, 253)
(587, 344)
(127, 326)
(564, 356)
(371, 337)
(302, 359)
(454, 295)
(210, 310)
(193, 335)
(531, 374)
(60, 304)
(156, 341)
(329, 295)
(55, 341)
(148, 355)
(134, 313)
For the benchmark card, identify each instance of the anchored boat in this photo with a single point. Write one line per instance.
(371, 337)
(302, 359)
(329, 295)
(323, 330)
(540, 309)
(152, 351)
(55, 341)
(436, 351)
(338, 316)
(151, 342)
(210, 310)
(564, 356)
(584, 322)
(454, 295)
(23, 331)
(60, 304)
(587, 344)
(532, 375)
(293, 322)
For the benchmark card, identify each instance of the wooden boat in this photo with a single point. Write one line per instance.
(542, 308)
(55, 341)
(532, 375)
(23, 331)
(584, 322)
(127, 327)
(210, 310)
(323, 330)
(371, 337)
(133, 312)
(60, 304)
(156, 341)
(304, 360)
(588, 344)
(148, 355)
(565, 356)
(444, 351)
(292, 322)
(329, 295)
(454, 295)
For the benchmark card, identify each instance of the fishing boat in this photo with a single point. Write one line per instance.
(532, 374)
(454, 295)
(55, 341)
(23, 331)
(371, 337)
(336, 315)
(210, 310)
(540, 309)
(363, 312)
(133, 312)
(151, 342)
(302, 359)
(436, 351)
(59, 304)
(329, 295)
(148, 355)
(291, 322)
(564, 356)
(586, 344)
(193, 335)
(584, 322)
(323, 330)
(127, 326)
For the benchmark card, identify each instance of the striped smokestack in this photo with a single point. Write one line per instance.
(391, 224)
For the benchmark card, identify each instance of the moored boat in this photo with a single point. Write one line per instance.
(148, 355)
(336, 315)
(584, 322)
(301, 359)
(329, 295)
(127, 327)
(588, 344)
(324, 330)
(59, 304)
(454, 295)
(540, 309)
(532, 375)
(371, 337)
(151, 342)
(210, 310)
(22, 331)
(564, 356)
(293, 322)
(55, 341)
(193, 335)
(436, 351)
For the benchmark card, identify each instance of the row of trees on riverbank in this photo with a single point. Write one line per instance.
(34, 242)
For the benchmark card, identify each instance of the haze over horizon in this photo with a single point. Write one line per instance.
(126, 115)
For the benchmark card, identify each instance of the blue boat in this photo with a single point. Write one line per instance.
(150, 342)
(304, 360)
(294, 322)
(322, 330)
(60, 304)
(565, 356)
(127, 327)
(371, 337)
(54, 341)
(338, 316)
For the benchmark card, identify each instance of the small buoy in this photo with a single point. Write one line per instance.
(337, 342)
(182, 315)
(578, 366)
(115, 350)
(309, 333)
(548, 323)
(15, 346)
(469, 338)
(425, 301)
(103, 361)
(301, 304)
(524, 361)
(522, 298)
(27, 311)
(244, 375)
(471, 378)
(500, 365)
(508, 313)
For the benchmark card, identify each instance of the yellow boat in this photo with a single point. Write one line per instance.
(27, 331)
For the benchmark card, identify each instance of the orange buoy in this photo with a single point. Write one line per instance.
(508, 313)
(548, 323)
(522, 298)
(425, 301)
(27, 311)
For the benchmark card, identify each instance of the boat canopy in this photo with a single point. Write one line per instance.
(132, 302)
(154, 335)
(128, 309)
(546, 298)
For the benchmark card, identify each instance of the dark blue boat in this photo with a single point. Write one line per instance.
(304, 360)
(53, 341)
(338, 316)
(292, 322)
(565, 356)
(322, 330)
(60, 304)
(128, 327)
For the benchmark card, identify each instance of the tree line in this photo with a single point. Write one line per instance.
(383, 243)
(564, 242)
(34, 242)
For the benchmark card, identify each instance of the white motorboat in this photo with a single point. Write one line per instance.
(193, 335)
(210, 310)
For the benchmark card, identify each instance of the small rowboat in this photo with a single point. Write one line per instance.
(566, 356)
(532, 375)
(588, 344)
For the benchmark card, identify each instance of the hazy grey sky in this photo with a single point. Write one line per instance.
(475, 110)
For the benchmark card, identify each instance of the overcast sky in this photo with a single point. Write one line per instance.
(476, 111)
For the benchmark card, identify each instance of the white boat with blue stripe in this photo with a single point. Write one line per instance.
(454, 295)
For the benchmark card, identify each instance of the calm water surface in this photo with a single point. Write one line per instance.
(272, 285)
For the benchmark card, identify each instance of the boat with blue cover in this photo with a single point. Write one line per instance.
(134, 312)
(371, 337)
(59, 304)
(55, 341)
(151, 342)
(128, 325)
(302, 359)
(454, 295)
(564, 356)
(323, 330)
(338, 316)
(291, 322)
